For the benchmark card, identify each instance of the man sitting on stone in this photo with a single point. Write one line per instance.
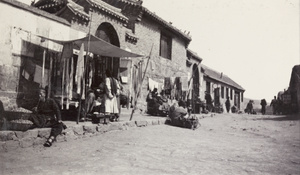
(177, 113)
(179, 116)
(47, 114)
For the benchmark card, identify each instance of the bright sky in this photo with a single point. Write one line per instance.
(255, 42)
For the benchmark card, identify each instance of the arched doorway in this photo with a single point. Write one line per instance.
(196, 86)
(107, 33)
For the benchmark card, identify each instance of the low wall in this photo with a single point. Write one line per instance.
(10, 140)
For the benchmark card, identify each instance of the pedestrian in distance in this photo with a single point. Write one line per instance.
(209, 101)
(263, 104)
(250, 107)
(274, 105)
(227, 104)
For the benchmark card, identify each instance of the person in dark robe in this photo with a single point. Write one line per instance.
(227, 104)
(209, 101)
(263, 104)
(46, 115)
(274, 105)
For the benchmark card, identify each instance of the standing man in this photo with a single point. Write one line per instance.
(274, 104)
(227, 104)
(208, 101)
(263, 104)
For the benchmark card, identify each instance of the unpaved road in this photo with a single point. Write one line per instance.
(224, 144)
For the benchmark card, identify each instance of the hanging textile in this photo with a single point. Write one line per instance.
(63, 83)
(91, 73)
(67, 88)
(184, 83)
(80, 70)
(167, 83)
(152, 84)
(38, 75)
(71, 80)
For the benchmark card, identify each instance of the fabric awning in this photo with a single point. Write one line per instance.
(97, 46)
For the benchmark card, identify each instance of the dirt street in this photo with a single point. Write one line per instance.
(224, 144)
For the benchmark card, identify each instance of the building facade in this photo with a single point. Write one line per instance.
(220, 86)
(125, 24)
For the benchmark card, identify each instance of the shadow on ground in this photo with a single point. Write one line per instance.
(290, 117)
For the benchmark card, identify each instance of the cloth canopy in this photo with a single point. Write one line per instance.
(97, 46)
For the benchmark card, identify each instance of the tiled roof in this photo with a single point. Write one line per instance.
(46, 2)
(132, 2)
(111, 10)
(166, 24)
(78, 10)
(220, 77)
(194, 54)
(35, 10)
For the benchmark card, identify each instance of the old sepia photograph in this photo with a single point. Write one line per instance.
(150, 87)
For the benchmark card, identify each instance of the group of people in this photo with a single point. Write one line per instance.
(105, 99)
(277, 105)
(157, 104)
(47, 112)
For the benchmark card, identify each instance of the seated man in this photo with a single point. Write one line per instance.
(180, 117)
(47, 114)
(177, 112)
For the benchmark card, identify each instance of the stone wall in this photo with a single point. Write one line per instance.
(10, 140)
(30, 24)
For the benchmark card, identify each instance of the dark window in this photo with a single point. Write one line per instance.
(230, 94)
(227, 92)
(165, 46)
(242, 96)
(222, 91)
(208, 87)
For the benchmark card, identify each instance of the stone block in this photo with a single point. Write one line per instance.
(149, 122)
(115, 126)
(2, 146)
(44, 132)
(12, 145)
(161, 121)
(26, 134)
(154, 122)
(130, 123)
(39, 141)
(61, 138)
(89, 129)
(33, 133)
(26, 142)
(102, 128)
(7, 135)
(141, 123)
(78, 130)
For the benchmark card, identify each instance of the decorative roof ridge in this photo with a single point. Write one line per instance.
(36, 11)
(152, 14)
(130, 37)
(108, 8)
(134, 3)
(78, 10)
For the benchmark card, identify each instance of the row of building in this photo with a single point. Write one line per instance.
(41, 45)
